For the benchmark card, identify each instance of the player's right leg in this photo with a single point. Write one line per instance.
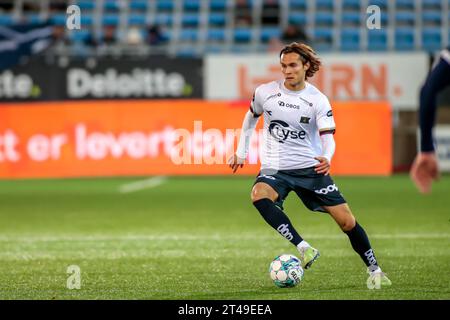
(264, 197)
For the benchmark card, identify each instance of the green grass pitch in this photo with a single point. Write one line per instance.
(200, 238)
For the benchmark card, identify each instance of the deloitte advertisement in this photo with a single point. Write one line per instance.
(105, 78)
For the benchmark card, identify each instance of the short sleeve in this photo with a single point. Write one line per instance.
(256, 106)
(324, 117)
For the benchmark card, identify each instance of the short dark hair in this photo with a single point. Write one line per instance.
(307, 54)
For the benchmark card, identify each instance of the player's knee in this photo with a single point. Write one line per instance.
(348, 223)
(261, 192)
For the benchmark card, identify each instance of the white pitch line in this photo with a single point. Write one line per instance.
(142, 184)
(212, 237)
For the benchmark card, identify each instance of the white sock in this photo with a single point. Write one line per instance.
(377, 270)
(303, 244)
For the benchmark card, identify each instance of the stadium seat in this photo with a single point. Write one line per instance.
(138, 5)
(242, 34)
(86, 5)
(188, 34)
(350, 39)
(324, 5)
(111, 6)
(383, 4)
(191, 5)
(110, 19)
(218, 5)
(163, 19)
(6, 20)
(59, 19)
(298, 4)
(269, 33)
(404, 39)
(217, 18)
(431, 39)
(323, 38)
(351, 5)
(431, 17)
(431, 4)
(190, 19)
(405, 18)
(216, 35)
(136, 19)
(297, 18)
(377, 40)
(324, 18)
(351, 18)
(405, 4)
(164, 5)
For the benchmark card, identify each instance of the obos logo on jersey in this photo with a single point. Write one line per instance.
(280, 131)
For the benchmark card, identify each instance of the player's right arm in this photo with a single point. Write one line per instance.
(248, 126)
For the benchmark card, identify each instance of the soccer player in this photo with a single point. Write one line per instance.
(296, 154)
(425, 167)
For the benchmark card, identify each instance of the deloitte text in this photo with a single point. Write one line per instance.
(138, 83)
(17, 86)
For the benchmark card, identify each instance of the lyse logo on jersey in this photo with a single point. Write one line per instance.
(279, 130)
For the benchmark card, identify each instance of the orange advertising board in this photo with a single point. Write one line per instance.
(166, 137)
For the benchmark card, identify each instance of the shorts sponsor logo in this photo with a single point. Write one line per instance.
(330, 113)
(326, 190)
(284, 231)
(267, 177)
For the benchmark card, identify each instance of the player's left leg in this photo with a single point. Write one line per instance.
(360, 242)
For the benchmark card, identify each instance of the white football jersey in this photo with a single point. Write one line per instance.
(293, 121)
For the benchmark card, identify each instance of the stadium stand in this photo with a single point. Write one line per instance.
(210, 25)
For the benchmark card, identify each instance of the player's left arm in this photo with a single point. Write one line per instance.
(327, 127)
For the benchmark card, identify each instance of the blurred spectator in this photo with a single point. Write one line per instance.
(58, 6)
(59, 35)
(107, 38)
(294, 34)
(155, 36)
(6, 5)
(243, 13)
(134, 36)
(270, 12)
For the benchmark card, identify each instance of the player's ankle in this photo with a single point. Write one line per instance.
(303, 244)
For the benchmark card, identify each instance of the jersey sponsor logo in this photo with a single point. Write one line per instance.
(330, 113)
(273, 96)
(327, 189)
(306, 101)
(288, 105)
(284, 231)
(305, 120)
(279, 130)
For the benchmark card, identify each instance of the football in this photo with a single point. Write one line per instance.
(286, 271)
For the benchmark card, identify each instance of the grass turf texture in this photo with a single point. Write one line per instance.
(200, 238)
